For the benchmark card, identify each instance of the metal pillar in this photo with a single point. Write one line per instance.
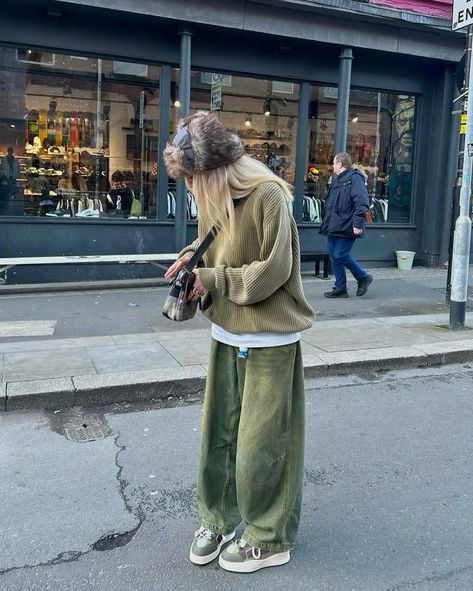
(180, 222)
(301, 155)
(164, 100)
(462, 236)
(458, 180)
(341, 125)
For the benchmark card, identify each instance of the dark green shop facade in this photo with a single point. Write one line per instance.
(91, 95)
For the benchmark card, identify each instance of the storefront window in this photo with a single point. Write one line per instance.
(263, 113)
(380, 140)
(78, 136)
(320, 143)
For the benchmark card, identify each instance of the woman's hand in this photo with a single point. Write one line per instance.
(198, 290)
(177, 266)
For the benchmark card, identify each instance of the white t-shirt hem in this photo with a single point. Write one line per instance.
(254, 340)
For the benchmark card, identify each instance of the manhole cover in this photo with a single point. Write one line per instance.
(84, 429)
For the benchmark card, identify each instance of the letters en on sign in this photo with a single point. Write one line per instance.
(462, 15)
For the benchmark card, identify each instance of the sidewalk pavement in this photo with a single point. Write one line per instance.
(52, 373)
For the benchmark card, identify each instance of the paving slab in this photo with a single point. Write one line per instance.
(369, 334)
(132, 357)
(47, 345)
(36, 365)
(50, 394)
(188, 349)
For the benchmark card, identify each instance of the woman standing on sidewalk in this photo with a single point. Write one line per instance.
(252, 442)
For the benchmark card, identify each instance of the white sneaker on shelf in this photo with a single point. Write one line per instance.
(88, 213)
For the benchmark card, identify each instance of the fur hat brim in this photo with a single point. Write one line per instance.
(212, 144)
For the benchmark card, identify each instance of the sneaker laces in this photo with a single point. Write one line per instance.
(203, 532)
(253, 550)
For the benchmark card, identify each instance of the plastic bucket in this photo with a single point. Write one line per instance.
(405, 258)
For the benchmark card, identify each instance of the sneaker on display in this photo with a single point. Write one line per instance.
(241, 557)
(88, 213)
(207, 545)
(60, 213)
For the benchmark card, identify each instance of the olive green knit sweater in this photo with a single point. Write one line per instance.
(253, 282)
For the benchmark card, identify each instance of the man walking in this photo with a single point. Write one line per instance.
(344, 221)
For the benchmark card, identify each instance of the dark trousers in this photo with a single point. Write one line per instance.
(340, 257)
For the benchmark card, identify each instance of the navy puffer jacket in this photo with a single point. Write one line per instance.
(345, 205)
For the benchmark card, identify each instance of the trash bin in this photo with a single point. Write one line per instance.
(405, 258)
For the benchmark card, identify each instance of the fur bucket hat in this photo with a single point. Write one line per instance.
(201, 143)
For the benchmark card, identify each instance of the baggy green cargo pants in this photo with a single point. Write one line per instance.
(252, 446)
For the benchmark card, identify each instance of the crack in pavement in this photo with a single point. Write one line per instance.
(432, 578)
(109, 542)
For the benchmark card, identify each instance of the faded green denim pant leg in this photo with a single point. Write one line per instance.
(252, 446)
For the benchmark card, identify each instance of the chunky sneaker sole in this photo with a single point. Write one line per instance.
(251, 565)
(201, 560)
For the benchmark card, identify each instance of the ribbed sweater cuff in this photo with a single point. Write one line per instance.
(207, 278)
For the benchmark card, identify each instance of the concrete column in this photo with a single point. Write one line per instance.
(344, 80)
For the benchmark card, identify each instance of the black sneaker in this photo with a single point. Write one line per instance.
(364, 284)
(336, 293)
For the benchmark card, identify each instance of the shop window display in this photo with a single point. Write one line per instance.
(263, 113)
(78, 136)
(380, 140)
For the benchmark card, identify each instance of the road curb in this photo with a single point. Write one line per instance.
(189, 382)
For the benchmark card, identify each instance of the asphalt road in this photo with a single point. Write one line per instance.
(135, 310)
(387, 501)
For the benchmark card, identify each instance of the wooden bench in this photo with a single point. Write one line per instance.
(318, 257)
(157, 260)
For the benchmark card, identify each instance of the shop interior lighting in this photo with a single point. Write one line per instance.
(355, 119)
(267, 107)
(177, 104)
(248, 121)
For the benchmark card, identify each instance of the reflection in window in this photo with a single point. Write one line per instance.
(380, 141)
(263, 113)
(78, 136)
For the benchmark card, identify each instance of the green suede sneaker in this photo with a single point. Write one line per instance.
(207, 545)
(240, 557)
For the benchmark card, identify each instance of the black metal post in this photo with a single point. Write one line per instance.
(462, 235)
(164, 100)
(304, 96)
(341, 124)
(180, 222)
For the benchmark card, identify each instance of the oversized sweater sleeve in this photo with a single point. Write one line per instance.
(189, 249)
(258, 280)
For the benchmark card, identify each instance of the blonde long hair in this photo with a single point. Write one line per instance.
(214, 190)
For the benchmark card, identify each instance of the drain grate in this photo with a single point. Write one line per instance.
(84, 429)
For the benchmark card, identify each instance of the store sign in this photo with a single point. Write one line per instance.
(216, 92)
(142, 108)
(462, 15)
